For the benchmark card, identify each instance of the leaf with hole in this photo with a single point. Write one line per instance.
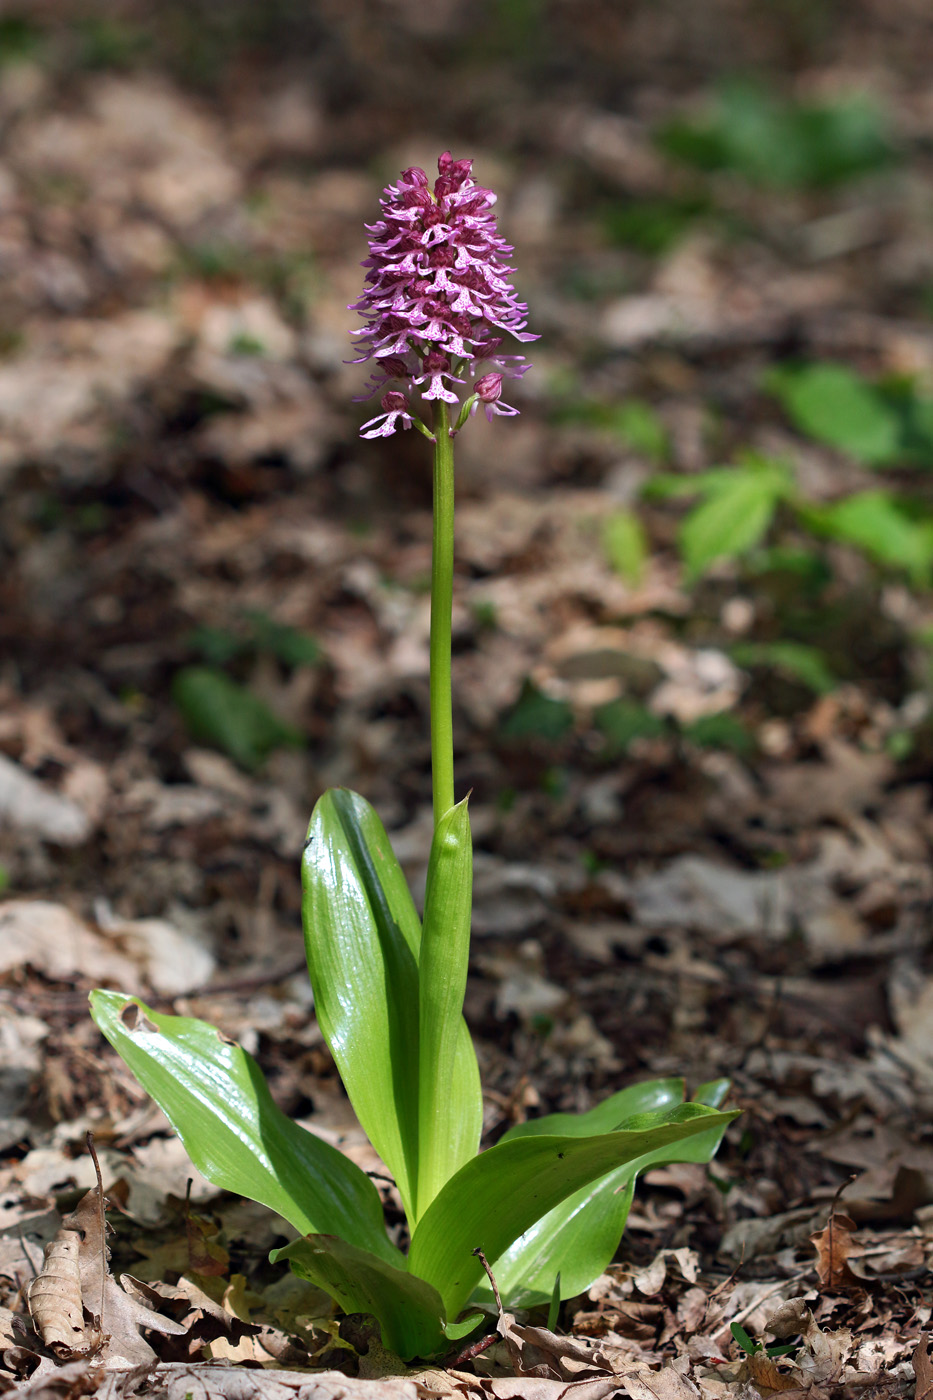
(217, 1100)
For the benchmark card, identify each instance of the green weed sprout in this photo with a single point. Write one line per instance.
(548, 1203)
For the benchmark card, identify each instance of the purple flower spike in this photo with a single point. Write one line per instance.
(437, 301)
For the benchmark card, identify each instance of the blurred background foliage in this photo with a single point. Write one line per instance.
(764, 140)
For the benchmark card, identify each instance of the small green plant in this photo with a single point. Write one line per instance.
(623, 721)
(243, 343)
(879, 424)
(633, 421)
(753, 1348)
(20, 39)
(736, 510)
(548, 1203)
(750, 131)
(220, 711)
(653, 226)
(794, 660)
(110, 43)
(738, 505)
(536, 715)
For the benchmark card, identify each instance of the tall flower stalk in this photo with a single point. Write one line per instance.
(437, 305)
(442, 593)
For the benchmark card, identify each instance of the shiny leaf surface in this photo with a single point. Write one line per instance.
(503, 1192)
(362, 938)
(217, 1100)
(578, 1238)
(450, 1104)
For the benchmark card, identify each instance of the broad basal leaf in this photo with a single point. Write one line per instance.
(578, 1238)
(450, 1115)
(503, 1192)
(410, 1311)
(362, 937)
(215, 1097)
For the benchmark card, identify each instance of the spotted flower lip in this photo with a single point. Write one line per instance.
(394, 406)
(437, 301)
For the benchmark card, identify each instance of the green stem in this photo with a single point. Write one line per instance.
(442, 593)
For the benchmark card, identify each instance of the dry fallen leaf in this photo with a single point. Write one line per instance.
(923, 1368)
(834, 1246)
(54, 1298)
(75, 1284)
(763, 1373)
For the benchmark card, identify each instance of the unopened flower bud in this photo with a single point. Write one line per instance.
(489, 388)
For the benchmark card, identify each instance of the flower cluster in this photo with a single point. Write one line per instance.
(437, 300)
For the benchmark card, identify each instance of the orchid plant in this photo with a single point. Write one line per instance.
(547, 1204)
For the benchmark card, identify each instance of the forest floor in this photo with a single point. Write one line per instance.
(697, 854)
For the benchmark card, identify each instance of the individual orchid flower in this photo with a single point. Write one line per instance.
(488, 391)
(394, 406)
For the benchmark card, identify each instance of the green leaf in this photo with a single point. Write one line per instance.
(215, 1097)
(580, 1236)
(450, 1112)
(503, 1192)
(622, 721)
(782, 144)
(719, 731)
(638, 424)
(652, 226)
(216, 645)
(744, 1340)
(797, 660)
(290, 646)
(362, 938)
(410, 1312)
(218, 711)
(874, 522)
(836, 406)
(537, 716)
(668, 486)
(735, 516)
(625, 545)
(553, 1308)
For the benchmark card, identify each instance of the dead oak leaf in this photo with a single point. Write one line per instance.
(764, 1374)
(77, 1305)
(834, 1245)
(923, 1368)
